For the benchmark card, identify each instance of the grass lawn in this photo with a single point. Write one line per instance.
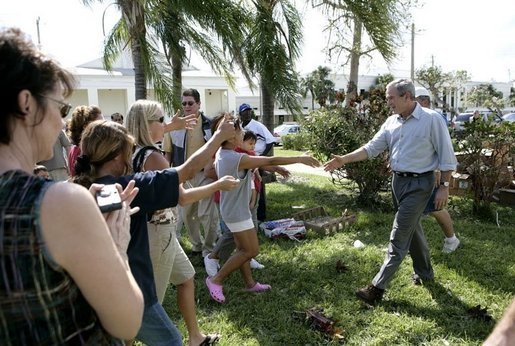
(303, 275)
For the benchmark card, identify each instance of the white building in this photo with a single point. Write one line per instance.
(115, 92)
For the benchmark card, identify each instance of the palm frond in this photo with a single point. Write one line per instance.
(114, 44)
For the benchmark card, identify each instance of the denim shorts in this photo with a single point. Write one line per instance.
(157, 328)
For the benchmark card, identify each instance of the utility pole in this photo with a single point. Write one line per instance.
(412, 51)
(39, 36)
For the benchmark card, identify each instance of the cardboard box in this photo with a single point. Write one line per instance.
(319, 221)
(461, 184)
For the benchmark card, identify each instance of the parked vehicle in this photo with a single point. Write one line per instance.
(284, 130)
(460, 120)
(510, 117)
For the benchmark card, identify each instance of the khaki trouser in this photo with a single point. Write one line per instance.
(169, 261)
(202, 212)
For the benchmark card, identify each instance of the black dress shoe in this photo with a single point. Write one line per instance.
(417, 281)
(370, 294)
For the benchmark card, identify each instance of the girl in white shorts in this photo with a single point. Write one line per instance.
(235, 211)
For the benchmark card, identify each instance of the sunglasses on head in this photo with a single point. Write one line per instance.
(237, 123)
(64, 107)
(189, 103)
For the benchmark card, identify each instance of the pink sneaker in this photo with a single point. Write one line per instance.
(216, 291)
(258, 288)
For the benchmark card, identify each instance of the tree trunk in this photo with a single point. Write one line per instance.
(134, 15)
(177, 80)
(140, 79)
(352, 88)
(267, 108)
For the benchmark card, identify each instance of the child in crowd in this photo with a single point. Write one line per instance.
(41, 171)
(225, 244)
(247, 147)
(235, 211)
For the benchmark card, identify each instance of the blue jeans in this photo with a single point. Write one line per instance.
(157, 329)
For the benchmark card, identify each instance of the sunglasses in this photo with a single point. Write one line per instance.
(64, 107)
(237, 124)
(161, 120)
(189, 103)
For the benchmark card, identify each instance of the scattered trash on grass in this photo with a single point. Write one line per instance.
(480, 314)
(318, 321)
(341, 267)
(358, 244)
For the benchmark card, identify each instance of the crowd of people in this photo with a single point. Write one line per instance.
(55, 290)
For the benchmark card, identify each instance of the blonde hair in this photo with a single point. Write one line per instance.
(102, 141)
(140, 113)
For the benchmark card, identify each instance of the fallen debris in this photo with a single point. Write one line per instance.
(318, 321)
(480, 314)
(341, 267)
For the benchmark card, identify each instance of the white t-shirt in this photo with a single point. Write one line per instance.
(264, 136)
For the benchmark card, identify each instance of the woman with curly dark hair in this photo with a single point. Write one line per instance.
(82, 116)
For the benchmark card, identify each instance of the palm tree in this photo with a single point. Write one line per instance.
(148, 27)
(214, 29)
(308, 84)
(319, 85)
(381, 20)
(131, 32)
(272, 46)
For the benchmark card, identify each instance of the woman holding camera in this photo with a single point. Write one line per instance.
(64, 277)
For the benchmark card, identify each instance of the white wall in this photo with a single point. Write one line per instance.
(112, 100)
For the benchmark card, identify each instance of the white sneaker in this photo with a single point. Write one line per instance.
(255, 264)
(449, 245)
(211, 265)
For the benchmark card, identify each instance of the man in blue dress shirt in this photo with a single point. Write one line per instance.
(419, 144)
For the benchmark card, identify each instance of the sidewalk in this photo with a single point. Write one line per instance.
(300, 168)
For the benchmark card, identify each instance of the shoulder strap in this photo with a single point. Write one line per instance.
(137, 162)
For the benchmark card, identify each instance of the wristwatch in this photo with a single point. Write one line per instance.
(444, 183)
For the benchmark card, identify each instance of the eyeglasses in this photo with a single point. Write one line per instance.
(189, 103)
(237, 124)
(65, 107)
(161, 120)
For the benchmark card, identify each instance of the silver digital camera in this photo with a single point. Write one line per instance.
(108, 199)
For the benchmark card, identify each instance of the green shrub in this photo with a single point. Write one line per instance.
(487, 149)
(296, 141)
(340, 130)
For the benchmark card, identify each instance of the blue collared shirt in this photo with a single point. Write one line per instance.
(418, 144)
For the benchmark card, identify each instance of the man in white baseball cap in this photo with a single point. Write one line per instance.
(442, 215)
(423, 97)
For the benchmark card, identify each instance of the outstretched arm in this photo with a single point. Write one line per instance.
(178, 123)
(187, 196)
(200, 158)
(249, 162)
(338, 161)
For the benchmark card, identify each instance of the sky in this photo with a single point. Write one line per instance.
(475, 36)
